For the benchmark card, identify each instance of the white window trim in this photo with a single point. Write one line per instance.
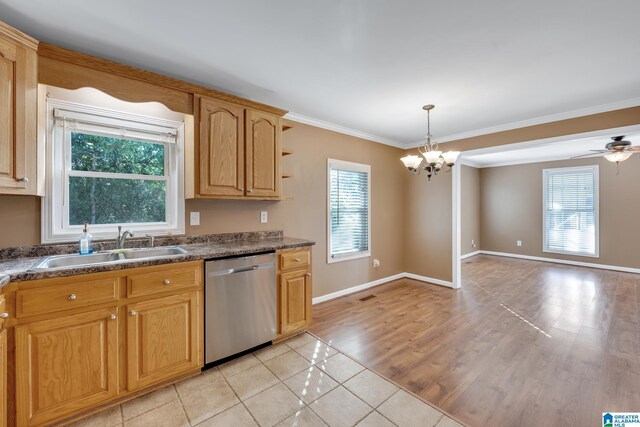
(53, 213)
(596, 200)
(357, 167)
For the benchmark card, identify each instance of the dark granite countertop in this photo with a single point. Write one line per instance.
(14, 269)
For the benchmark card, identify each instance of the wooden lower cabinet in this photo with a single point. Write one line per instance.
(65, 364)
(3, 378)
(162, 339)
(294, 286)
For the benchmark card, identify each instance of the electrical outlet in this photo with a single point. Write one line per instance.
(473, 243)
(264, 217)
(518, 242)
(194, 218)
(376, 263)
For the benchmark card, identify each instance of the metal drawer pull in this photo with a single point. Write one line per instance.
(297, 259)
(23, 179)
(72, 297)
(166, 282)
(133, 313)
(308, 274)
(4, 315)
(113, 317)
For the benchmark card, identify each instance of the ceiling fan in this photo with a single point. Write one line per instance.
(618, 150)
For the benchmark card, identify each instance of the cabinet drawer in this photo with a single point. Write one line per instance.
(295, 259)
(164, 280)
(64, 296)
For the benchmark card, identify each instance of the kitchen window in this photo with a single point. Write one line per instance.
(109, 168)
(571, 211)
(349, 210)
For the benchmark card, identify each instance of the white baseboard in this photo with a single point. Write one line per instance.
(429, 280)
(377, 282)
(470, 254)
(564, 261)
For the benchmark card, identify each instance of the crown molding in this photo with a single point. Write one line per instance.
(604, 108)
(342, 129)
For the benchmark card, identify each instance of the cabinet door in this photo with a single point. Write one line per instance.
(221, 148)
(18, 107)
(295, 294)
(3, 378)
(65, 365)
(264, 132)
(163, 339)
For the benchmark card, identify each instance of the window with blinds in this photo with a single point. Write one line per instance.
(349, 210)
(571, 210)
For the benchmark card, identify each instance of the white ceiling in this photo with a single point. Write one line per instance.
(547, 150)
(368, 66)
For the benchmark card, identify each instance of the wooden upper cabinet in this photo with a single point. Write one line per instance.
(239, 151)
(221, 148)
(18, 112)
(264, 150)
(65, 364)
(163, 339)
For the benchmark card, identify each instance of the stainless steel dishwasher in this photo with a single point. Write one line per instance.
(240, 304)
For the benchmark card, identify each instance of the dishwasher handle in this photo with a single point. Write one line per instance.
(225, 272)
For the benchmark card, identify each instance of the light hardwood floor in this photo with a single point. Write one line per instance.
(521, 343)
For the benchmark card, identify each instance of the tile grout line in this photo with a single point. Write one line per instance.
(238, 397)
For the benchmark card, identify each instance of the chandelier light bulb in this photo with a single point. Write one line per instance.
(412, 161)
(450, 157)
(432, 156)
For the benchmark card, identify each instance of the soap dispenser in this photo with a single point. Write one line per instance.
(86, 241)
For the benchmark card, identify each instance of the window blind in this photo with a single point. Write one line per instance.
(570, 200)
(349, 211)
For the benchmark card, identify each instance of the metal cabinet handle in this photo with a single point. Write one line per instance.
(4, 315)
(249, 191)
(241, 189)
(308, 274)
(72, 297)
(23, 179)
(133, 313)
(166, 282)
(113, 316)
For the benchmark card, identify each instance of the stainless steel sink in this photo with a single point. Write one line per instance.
(153, 252)
(123, 255)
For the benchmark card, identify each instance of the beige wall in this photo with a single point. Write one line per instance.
(469, 209)
(511, 209)
(304, 216)
(427, 232)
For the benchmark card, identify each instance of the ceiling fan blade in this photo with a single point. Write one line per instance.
(636, 148)
(600, 151)
(588, 155)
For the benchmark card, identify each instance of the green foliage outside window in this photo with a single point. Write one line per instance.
(106, 200)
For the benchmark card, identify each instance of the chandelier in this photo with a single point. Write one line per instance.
(434, 159)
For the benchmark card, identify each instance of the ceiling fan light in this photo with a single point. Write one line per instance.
(450, 157)
(432, 156)
(411, 161)
(617, 156)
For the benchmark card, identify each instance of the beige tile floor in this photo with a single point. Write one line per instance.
(299, 382)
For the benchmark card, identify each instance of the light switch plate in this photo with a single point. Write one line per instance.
(518, 242)
(194, 218)
(264, 217)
